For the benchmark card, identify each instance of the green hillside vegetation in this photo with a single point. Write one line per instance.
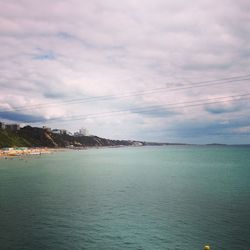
(38, 137)
(12, 139)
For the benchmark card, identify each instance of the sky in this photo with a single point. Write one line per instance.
(166, 71)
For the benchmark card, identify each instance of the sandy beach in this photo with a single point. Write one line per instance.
(12, 152)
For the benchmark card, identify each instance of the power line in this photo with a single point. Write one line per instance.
(155, 108)
(133, 94)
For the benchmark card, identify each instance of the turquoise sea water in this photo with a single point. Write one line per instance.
(128, 198)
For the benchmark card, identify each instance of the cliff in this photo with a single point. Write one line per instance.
(38, 137)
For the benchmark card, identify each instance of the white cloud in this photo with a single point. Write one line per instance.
(68, 49)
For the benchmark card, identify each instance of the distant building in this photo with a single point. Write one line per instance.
(12, 127)
(63, 131)
(59, 131)
(83, 131)
(56, 131)
(2, 125)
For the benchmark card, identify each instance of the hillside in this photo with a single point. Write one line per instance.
(38, 137)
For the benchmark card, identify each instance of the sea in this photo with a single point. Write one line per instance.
(166, 198)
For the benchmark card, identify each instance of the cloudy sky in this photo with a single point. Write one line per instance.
(174, 71)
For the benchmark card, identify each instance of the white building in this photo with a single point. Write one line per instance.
(56, 131)
(60, 131)
(83, 131)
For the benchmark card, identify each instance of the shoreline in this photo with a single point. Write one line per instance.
(38, 151)
(25, 151)
(17, 152)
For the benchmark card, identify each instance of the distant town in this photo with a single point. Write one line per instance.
(13, 135)
(15, 127)
(16, 139)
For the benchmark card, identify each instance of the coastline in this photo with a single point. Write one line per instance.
(38, 151)
(17, 152)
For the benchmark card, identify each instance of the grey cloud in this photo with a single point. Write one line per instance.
(73, 48)
(21, 117)
(221, 109)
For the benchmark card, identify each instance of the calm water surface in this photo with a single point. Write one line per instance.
(127, 198)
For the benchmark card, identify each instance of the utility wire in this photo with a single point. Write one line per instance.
(154, 108)
(133, 94)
